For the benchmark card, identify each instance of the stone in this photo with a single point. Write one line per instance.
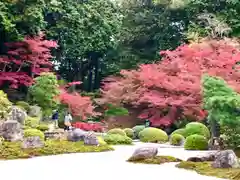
(17, 114)
(91, 139)
(35, 111)
(226, 159)
(11, 130)
(56, 134)
(216, 143)
(208, 157)
(32, 142)
(76, 135)
(144, 153)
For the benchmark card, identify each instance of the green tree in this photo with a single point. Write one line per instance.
(44, 92)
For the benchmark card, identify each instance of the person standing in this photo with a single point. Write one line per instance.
(67, 121)
(55, 118)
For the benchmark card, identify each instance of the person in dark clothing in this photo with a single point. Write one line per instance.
(55, 118)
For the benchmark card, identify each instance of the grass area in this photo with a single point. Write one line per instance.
(13, 150)
(156, 160)
(205, 168)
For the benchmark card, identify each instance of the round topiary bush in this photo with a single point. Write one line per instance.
(137, 129)
(24, 105)
(177, 139)
(196, 142)
(153, 135)
(5, 105)
(197, 128)
(129, 132)
(32, 122)
(117, 139)
(179, 131)
(34, 132)
(117, 131)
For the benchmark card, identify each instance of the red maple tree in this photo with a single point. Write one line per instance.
(174, 83)
(80, 106)
(25, 60)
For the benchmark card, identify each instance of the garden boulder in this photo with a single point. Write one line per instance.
(91, 139)
(35, 111)
(203, 158)
(32, 142)
(17, 114)
(226, 159)
(76, 135)
(144, 153)
(11, 130)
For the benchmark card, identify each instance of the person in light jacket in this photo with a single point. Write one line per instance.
(67, 121)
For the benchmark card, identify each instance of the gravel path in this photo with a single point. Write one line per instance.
(99, 166)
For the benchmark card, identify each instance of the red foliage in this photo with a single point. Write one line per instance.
(25, 60)
(174, 83)
(88, 126)
(79, 105)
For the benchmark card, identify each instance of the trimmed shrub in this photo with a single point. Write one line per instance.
(117, 139)
(5, 105)
(129, 132)
(117, 131)
(32, 122)
(43, 127)
(153, 135)
(137, 129)
(197, 128)
(196, 142)
(24, 105)
(179, 131)
(34, 132)
(176, 139)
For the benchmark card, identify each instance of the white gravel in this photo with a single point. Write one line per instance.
(100, 166)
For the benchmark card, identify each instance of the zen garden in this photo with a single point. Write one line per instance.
(134, 89)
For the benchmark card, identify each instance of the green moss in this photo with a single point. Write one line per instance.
(117, 131)
(205, 168)
(197, 128)
(13, 150)
(5, 105)
(129, 132)
(156, 160)
(32, 122)
(176, 139)
(153, 135)
(42, 127)
(196, 142)
(117, 139)
(101, 141)
(179, 131)
(33, 132)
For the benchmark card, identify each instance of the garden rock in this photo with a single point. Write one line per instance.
(226, 159)
(144, 153)
(17, 114)
(11, 130)
(208, 157)
(35, 111)
(91, 139)
(32, 142)
(76, 135)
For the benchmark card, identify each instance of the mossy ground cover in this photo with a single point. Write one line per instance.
(13, 150)
(205, 168)
(156, 160)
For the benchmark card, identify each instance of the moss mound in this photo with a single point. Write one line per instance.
(115, 139)
(137, 129)
(196, 142)
(34, 132)
(176, 139)
(10, 150)
(197, 128)
(32, 122)
(42, 127)
(117, 131)
(179, 131)
(205, 168)
(129, 132)
(153, 135)
(156, 160)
